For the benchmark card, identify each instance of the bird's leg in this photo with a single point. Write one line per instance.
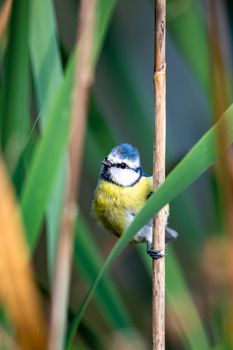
(154, 253)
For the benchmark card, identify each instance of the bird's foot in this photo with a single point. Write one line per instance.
(155, 254)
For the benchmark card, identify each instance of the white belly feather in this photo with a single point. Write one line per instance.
(145, 233)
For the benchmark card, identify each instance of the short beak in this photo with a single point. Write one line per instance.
(106, 163)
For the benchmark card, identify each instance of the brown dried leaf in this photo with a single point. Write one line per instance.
(5, 11)
(17, 289)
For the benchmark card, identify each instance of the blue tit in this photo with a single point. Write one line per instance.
(122, 190)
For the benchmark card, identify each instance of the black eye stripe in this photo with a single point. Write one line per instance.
(122, 166)
(119, 165)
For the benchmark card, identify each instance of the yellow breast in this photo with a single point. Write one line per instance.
(111, 202)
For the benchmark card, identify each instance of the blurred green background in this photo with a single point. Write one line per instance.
(36, 48)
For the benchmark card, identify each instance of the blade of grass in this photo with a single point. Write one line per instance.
(48, 75)
(16, 86)
(38, 186)
(46, 159)
(200, 157)
(45, 56)
(106, 294)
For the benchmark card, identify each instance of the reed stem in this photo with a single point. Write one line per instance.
(83, 82)
(158, 279)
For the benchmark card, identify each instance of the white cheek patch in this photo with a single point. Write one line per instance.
(124, 177)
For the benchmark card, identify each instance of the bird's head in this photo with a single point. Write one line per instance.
(122, 165)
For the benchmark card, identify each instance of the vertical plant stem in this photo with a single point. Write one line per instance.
(224, 165)
(83, 81)
(158, 288)
(15, 90)
(5, 12)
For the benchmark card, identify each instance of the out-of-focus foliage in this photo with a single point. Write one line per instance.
(37, 65)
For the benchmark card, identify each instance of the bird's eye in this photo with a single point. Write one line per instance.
(123, 166)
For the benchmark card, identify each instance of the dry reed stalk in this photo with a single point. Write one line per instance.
(5, 12)
(224, 165)
(18, 291)
(83, 81)
(158, 279)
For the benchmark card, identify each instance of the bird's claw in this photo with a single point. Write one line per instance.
(155, 254)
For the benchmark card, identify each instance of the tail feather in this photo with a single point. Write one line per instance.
(170, 235)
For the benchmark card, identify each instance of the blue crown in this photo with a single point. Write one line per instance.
(126, 150)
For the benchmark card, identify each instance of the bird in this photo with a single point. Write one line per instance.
(122, 190)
